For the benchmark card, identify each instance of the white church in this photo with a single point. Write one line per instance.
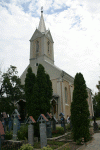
(42, 52)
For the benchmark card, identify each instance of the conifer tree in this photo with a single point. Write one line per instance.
(45, 89)
(29, 84)
(79, 109)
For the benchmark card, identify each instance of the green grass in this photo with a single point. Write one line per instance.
(52, 144)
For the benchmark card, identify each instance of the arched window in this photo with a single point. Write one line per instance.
(37, 46)
(66, 95)
(48, 43)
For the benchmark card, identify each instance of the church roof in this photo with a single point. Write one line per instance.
(42, 27)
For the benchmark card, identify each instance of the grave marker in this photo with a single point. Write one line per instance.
(31, 130)
(48, 125)
(9, 124)
(54, 121)
(63, 121)
(43, 136)
(15, 124)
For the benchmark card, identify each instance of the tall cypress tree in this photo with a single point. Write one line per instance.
(48, 92)
(29, 84)
(45, 90)
(79, 109)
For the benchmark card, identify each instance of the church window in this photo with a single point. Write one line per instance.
(48, 43)
(37, 46)
(66, 95)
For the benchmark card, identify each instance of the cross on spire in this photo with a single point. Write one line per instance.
(42, 27)
(42, 9)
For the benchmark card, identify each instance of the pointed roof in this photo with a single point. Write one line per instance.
(42, 27)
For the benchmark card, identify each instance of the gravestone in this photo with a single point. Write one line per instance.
(30, 121)
(95, 126)
(9, 124)
(2, 133)
(18, 122)
(48, 125)
(54, 121)
(62, 121)
(43, 135)
(15, 124)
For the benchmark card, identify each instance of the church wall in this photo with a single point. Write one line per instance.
(59, 99)
(54, 85)
(68, 104)
(23, 76)
(90, 104)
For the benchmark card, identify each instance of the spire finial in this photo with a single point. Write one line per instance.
(42, 9)
(42, 27)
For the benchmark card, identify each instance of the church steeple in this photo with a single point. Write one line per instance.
(42, 27)
(41, 44)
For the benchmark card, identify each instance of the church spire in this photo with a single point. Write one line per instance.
(42, 27)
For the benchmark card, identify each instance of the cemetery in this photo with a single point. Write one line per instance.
(53, 134)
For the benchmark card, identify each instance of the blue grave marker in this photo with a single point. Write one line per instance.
(15, 124)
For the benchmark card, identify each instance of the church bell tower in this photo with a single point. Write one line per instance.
(41, 44)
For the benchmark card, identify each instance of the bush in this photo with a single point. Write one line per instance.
(68, 127)
(23, 132)
(26, 147)
(8, 135)
(60, 130)
(47, 148)
(78, 142)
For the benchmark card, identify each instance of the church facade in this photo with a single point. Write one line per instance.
(42, 52)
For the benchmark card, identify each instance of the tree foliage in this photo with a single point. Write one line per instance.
(45, 89)
(12, 90)
(79, 109)
(29, 84)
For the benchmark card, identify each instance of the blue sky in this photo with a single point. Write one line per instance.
(75, 28)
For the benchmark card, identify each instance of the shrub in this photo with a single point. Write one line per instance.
(78, 142)
(47, 148)
(68, 127)
(8, 135)
(26, 147)
(23, 132)
(60, 130)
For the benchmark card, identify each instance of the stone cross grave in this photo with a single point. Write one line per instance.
(63, 121)
(43, 136)
(15, 124)
(9, 124)
(48, 125)
(30, 121)
(2, 133)
(54, 121)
